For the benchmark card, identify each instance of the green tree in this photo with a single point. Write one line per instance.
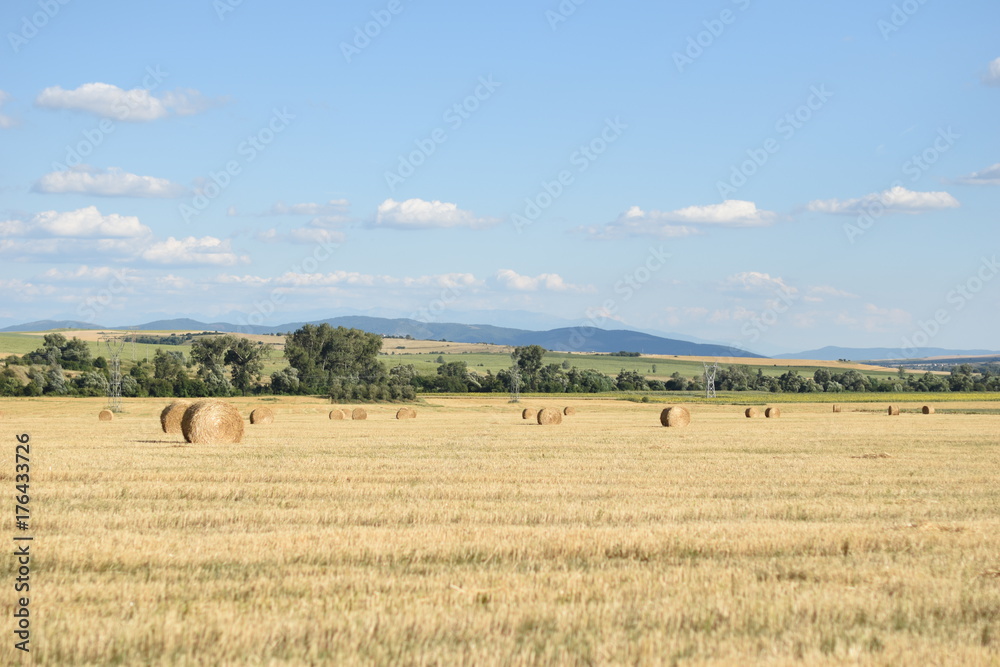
(210, 355)
(529, 362)
(246, 358)
(322, 354)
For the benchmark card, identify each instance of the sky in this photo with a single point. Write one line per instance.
(778, 176)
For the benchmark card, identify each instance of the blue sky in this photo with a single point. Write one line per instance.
(778, 176)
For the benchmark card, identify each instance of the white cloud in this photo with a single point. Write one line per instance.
(191, 251)
(112, 182)
(315, 235)
(444, 280)
(875, 319)
(895, 200)
(334, 207)
(551, 282)
(354, 279)
(90, 274)
(826, 290)
(992, 76)
(754, 281)
(421, 214)
(988, 176)
(82, 223)
(5, 121)
(685, 221)
(136, 105)
(19, 290)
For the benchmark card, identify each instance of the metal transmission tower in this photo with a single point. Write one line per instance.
(115, 345)
(515, 380)
(710, 372)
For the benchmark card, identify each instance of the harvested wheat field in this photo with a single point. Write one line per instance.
(465, 537)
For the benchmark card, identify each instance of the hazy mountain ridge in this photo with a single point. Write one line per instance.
(833, 353)
(582, 339)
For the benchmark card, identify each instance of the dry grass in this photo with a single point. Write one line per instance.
(465, 538)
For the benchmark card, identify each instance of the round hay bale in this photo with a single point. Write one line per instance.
(569, 411)
(893, 410)
(751, 413)
(927, 410)
(772, 413)
(359, 413)
(675, 416)
(836, 408)
(549, 416)
(2, 415)
(170, 418)
(337, 413)
(406, 413)
(212, 422)
(529, 413)
(106, 415)
(262, 416)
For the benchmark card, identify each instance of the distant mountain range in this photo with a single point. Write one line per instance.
(881, 353)
(572, 339)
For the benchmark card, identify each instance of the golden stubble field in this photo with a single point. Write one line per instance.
(468, 536)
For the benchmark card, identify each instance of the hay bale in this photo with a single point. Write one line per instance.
(106, 415)
(569, 411)
(2, 415)
(836, 408)
(893, 410)
(337, 413)
(927, 410)
(751, 413)
(262, 416)
(170, 418)
(406, 413)
(359, 413)
(772, 413)
(675, 416)
(529, 413)
(212, 422)
(549, 416)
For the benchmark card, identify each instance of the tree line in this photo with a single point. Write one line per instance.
(343, 364)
